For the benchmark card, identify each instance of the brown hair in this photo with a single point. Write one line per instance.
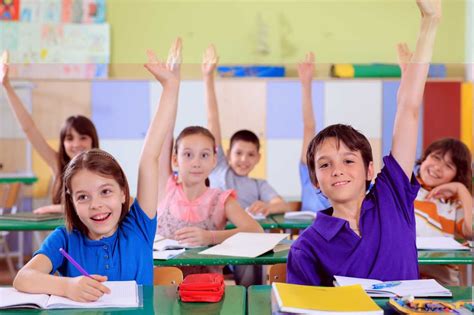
(196, 130)
(245, 135)
(84, 126)
(352, 138)
(460, 155)
(101, 163)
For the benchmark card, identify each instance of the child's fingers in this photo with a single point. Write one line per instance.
(99, 286)
(151, 56)
(5, 57)
(310, 57)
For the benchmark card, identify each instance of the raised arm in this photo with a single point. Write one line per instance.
(305, 73)
(47, 153)
(209, 64)
(410, 93)
(168, 74)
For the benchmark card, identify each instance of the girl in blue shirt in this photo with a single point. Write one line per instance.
(109, 240)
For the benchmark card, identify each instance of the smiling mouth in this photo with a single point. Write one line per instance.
(341, 183)
(101, 217)
(433, 175)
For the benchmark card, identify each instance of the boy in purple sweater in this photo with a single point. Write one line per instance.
(367, 235)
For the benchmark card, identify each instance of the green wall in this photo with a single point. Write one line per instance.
(277, 32)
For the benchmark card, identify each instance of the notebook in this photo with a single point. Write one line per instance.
(30, 216)
(246, 244)
(167, 254)
(302, 299)
(300, 215)
(123, 294)
(377, 288)
(161, 243)
(439, 243)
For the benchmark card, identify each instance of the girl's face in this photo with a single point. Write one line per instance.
(75, 143)
(341, 172)
(437, 169)
(98, 202)
(195, 159)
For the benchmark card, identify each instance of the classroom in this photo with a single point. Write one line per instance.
(196, 122)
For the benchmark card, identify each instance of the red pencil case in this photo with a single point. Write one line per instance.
(203, 287)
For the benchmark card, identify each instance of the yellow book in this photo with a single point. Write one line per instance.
(303, 299)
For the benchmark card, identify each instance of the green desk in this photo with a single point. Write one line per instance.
(24, 178)
(266, 224)
(259, 301)
(191, 258)
(17, 225)
(164, 300)
(427, 257)
(291, 224)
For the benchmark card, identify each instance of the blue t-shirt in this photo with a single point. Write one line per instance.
(125, 255)
(386, 249)
(311, 199)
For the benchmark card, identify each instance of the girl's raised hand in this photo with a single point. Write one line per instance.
(306, 68)
(165, 72)
(4, 67)
(209, 60)
(430, 8)
(404, 56)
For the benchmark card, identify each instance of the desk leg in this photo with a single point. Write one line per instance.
(469, 275)
(20, 249)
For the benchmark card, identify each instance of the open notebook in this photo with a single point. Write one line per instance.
(438, 243)
(246, 244)
(165, 248)
(123, 294)
(29, 216)
(377, 288)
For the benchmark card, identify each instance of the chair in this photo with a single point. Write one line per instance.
(277, 273)
(167, 276)
(8, 202)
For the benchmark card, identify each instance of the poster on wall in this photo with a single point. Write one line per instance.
(9, 10)
(60, 51)
(62, 11)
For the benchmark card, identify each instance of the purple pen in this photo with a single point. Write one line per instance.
(75, 263)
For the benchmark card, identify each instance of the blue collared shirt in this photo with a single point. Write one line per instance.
(386, 249)
(125, 255)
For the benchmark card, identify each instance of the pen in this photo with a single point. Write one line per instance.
(389, 284)
(72, 261)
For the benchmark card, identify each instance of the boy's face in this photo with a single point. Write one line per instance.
(341, 172)
(242, 157)
(98, 202)
(437, 169)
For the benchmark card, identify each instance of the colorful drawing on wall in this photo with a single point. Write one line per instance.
(83, 11)
(9, 10)
(62, 51)
(50, 11)
(30, 11)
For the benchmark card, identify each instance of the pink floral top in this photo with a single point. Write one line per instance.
(207, 211)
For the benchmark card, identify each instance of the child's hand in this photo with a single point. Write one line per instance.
(209, 61)
(404, 56)
(449, 190)
(48, 209)
(193, 236)
(166, 72)
(259, 207)
(306, 68)
(430, 8)
(85, 289)
(4, 68)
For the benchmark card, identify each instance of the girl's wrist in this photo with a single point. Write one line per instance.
(212, 237)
